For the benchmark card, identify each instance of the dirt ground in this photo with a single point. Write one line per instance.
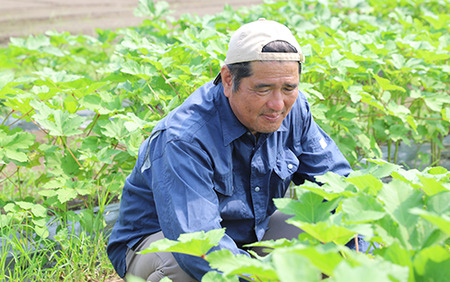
(24, 17)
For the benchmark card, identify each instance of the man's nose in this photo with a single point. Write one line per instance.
(276, 101)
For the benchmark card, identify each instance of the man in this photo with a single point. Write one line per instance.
(220, 158)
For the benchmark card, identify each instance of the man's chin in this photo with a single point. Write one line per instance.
(268, 129)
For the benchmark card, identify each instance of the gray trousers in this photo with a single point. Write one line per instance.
(155, 266)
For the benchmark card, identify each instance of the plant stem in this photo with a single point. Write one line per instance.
(168, 82)
(433, 152)
(17, 120)
(70, 151)
(397, 143)
(441, 137)
(7, 116)
(18, 183)
(389, 142)
(93, 124)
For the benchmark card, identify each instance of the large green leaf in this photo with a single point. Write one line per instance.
(385, 84)
(325, 232)
(398, 198)
(431, 264)
(196, 244)
(322, 257)
(291, 266)
(59, 122)
(309, 208)
(230, 264)
(13, 145)
(370, 271)
(398, 255)
(367, 183)
(440, 221)
(431, 186)
(362, 208)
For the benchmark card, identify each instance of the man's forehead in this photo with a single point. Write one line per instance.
(268, 68)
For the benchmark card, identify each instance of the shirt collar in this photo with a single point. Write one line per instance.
(232, 128)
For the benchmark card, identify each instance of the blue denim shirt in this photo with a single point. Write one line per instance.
(202, 169)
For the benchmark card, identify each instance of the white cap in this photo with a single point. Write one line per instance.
(247, 43)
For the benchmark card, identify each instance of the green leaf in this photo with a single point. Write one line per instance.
(56, 76)
(366, 183)
(436, 101)
(362, 208)
(5, 78)
(385, 84)
(431, 186)
(196, 244)
(398, 198)
(230, 264)
(325, 232)
(283, 242)
(142, 71)
(25, 205)
(31, 42)
(41, 231)
(152, 9)
(322, 257)
(440, 221)
(370, 271)
(71, 104)
(66, 194)
(58, 122)
(309, 208)
(438, 203)
(290, 266)
(431, 264)
(14, 144)
(390, 231)
(91, 102)
(38, 210)
(214, 276)
(397, 255)
(335, 182)
(383, 168)
(114, 128)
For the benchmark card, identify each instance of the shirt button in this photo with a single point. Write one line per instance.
(290, 166)
(257, 189)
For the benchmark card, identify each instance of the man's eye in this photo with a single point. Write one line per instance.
(289, 90)
(263, 91)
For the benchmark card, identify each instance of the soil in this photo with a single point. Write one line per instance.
(25, 17)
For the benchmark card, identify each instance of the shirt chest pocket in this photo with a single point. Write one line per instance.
(287, 164)
(223, 184)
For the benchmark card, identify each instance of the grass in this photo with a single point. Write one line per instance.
(69, 257)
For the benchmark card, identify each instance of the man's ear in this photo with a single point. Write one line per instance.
(227, 80)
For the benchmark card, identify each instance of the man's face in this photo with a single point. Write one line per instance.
(265, 98)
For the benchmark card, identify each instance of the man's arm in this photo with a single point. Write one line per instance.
(182, 182)
(318, 152)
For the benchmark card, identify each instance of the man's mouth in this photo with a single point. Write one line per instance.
(272, 117)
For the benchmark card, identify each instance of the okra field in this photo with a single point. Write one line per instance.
(74, 110)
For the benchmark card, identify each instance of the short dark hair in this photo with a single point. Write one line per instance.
(241, 70)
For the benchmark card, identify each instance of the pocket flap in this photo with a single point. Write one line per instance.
(224, 184)
(287, 163)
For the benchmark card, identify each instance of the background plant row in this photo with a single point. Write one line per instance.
(376, 73)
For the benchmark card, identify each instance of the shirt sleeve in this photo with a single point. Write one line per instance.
(182, 183)
(318, 152)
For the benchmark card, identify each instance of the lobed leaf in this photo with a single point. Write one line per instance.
(196, 243)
